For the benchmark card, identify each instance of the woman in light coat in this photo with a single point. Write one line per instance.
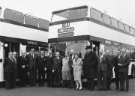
(77, 70)
(66, 76)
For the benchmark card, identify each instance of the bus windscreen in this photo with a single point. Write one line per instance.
(71, 13)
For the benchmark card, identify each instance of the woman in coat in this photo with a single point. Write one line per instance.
(77, 71)
(66, 76)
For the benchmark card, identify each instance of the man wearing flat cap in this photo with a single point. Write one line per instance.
(90, 67)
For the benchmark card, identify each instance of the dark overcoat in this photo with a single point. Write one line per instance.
(90, 65)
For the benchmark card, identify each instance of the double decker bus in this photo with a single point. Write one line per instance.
(75, 28)
(20, 32)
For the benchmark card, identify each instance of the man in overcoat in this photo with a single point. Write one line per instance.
(90, 64)
(57, 69)
(41, 68)
(123, 62)
(116, 70)
(32, 61)
(103, 71)
(10, 72)
(23, 69)
(49, 67)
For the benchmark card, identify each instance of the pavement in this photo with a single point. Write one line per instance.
(45, 91)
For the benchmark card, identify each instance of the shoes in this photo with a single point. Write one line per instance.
(121, 89)
(80, 88)
(117, 88)
(77, 88)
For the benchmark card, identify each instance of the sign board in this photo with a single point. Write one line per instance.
(66, 31)
(70, 34)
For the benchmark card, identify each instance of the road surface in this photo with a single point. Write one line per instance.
(45, 91)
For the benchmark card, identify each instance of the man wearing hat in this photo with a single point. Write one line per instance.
(90, 67)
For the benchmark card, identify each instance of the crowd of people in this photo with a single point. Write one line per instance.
(69, 71)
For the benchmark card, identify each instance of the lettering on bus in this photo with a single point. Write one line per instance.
(132, 30)
(109, 21)
(96, 14)
(121, 26)
(13, 15)
(114, 23)
(106, 19)
(127, 28)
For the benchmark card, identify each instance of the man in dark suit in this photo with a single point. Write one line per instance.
(116, 70)
(23, 69)
(41, 68)
(10, 71)
(123, 62)
(32, 61)
(71, 57)
(90, 67)
(57, 68)
(111, 62)
(49, 70)
(16, 62)
(103, 71)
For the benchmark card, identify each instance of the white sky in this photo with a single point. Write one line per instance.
(120, 9)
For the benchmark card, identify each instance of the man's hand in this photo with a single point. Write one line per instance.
(23, 66)
(53, 70)
(120, 64)
(45, 68)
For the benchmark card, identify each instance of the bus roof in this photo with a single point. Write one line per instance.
(81, 13)
(19, 18)
(64, 12)
(96, 19)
